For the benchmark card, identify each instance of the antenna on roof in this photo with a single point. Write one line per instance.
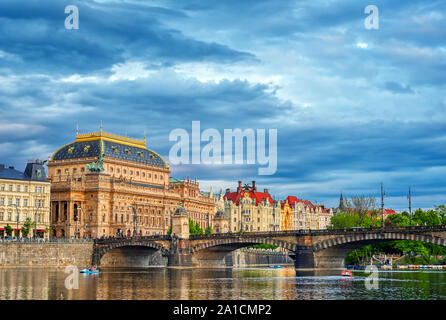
(101, 125)
(77, 128)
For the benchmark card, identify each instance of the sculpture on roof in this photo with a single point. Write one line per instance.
(97, 166)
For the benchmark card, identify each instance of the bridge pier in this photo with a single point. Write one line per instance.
(179, 254)
(304, 258)
(307, 258)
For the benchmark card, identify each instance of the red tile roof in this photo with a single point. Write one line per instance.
(259, 196)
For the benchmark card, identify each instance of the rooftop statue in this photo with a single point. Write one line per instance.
(96, 166)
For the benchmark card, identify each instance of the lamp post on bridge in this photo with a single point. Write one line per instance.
(410, 207)
(383, 194)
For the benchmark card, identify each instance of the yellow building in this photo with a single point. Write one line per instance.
(24, 195)
(286, 216)
(250, 210)
(126, 189)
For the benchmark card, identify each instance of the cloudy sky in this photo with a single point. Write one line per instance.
(352, 106)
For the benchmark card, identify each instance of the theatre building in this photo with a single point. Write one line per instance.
(107, 185)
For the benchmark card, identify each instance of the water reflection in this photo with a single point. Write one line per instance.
(218, 284)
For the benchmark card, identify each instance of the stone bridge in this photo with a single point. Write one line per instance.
(309, 248)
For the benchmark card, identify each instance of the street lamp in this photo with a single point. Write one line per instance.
(68, 231)
(135, 216)
(77, 221)
(35, 220)
(85, 230)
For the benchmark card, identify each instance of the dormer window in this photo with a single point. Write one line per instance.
(127, 150)
(86, 148)
(70, 150)
(115, 149)
(140, 154)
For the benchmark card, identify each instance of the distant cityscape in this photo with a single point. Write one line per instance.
(105, 185)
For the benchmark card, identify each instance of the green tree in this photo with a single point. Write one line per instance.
(398, 219)
(27, 226)
(191, 226)
(208, 230)
(198, 229)
(8, 230)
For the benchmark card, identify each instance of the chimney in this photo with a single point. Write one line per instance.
(228, 190)
(265, 191)
(239, 189)
(254, 186)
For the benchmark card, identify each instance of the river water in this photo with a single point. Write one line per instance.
(216, 284)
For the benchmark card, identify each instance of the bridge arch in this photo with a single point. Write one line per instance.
(331, 253)
(128, 247)
(375, 238)
(218, 252)
(243, 242)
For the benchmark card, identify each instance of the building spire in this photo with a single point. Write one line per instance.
(341, 203)
(101, 126)
(77, 128)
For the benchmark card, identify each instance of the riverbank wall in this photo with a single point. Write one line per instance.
(46, 254)
(79, 254)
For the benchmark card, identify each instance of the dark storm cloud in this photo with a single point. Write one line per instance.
(361, 106)
(33, 33)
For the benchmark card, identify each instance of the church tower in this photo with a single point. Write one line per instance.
(341, 204)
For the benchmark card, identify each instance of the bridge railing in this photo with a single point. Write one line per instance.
(137, 238)
(40, 240)
(305, 232)
(310, 232)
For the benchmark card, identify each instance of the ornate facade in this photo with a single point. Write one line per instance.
(250, 210)
(307, 215)
(125, 189)
(25, 195)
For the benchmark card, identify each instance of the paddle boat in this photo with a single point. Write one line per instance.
(347, 273)
(90, 270)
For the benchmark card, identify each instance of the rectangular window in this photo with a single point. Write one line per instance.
(10, 187)
(25, 202)
(38, 218)
(1, 216)
(9, 201)
(2, 187)
(9, 216)
(2, 201)
(235, 219)
(18, 188)
(26, 189)
(17, 202)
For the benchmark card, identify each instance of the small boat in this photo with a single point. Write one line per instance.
(347, 273)
(276, 267)
(90, 270)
